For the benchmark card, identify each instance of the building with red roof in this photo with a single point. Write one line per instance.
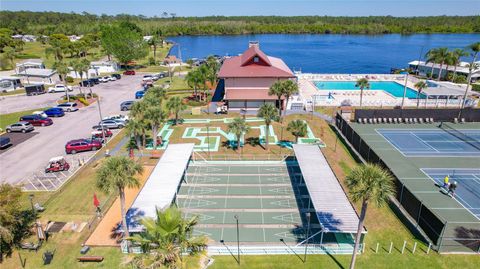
(248, 77)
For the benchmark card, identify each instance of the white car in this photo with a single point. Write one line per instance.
(110, 78)
(103, 79)
(59, 88)
(68, 107)
(123, 118)
(41, 113)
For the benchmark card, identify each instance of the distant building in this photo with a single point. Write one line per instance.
(424, 69)
(104, 67)
(29, 64)
(8, 84)
(172, 59)
(248, 78)
(45, 75)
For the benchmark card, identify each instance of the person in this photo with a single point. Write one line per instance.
(446, 181)
(451, 188)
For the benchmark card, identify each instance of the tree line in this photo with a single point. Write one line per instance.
(47, 23)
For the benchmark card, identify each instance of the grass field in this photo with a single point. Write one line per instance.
(19, 91)
(7, 119)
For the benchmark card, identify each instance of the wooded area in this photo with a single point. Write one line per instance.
(46, 23)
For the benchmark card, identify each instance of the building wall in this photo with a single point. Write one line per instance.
(249, 82)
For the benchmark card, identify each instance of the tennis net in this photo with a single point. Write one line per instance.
(461, 135)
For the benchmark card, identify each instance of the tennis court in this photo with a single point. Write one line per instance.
(441, 142)
(468, 185)
(269, 199)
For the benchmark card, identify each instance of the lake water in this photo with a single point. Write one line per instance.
(328, 53)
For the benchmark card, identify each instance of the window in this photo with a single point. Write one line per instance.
(256, 59)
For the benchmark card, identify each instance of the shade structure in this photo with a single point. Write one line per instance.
(332, 207)
(161, 187)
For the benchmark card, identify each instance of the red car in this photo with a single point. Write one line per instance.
(78, 145)
(98, 133)
(129, 73)
(37, 120)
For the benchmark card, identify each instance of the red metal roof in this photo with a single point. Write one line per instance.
(249, 94)
(244, 66)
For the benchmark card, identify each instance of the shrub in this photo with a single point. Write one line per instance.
(83, 101)
(151, 61)
(196, 103)
(69, 79)
(460, 79)
(72, 97)
(476, 87)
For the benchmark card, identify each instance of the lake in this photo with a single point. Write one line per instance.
(328, 53)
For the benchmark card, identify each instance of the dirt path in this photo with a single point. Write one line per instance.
(102, 236)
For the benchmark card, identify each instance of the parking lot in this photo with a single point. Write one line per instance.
(23, 162)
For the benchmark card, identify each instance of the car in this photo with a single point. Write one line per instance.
(36, 120)
(127, 105)
(112, 78)
(59, 88)
(79, 145)
(129, 73)
(57, 164)
(103, 79)
(21, 126)
(68, 107)
(117, 117)
(87, 83)
(41, 113)
(98, 133)
(54, 112)
(5, 142)
(139, 94)
(112, 124)
(117, 76)
(95, 80)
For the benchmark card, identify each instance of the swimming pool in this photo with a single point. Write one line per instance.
(391, 87)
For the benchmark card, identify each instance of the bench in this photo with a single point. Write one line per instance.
(90, 258)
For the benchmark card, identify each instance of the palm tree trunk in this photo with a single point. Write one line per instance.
(431, 71)
(469, 78)
(124, 215)
(176, 118)
(361, 97)
(154, 136)
(280, 107)
(454, 73)
(440, 72)
(359, 233)
(418, 100)
(266, 136)
(296, 139)
(66, 88)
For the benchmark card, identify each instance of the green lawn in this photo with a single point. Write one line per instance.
(19, 91)
(7, 119)
(177, 83)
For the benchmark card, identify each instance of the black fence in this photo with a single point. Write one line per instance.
(424, 218)
(446, 114)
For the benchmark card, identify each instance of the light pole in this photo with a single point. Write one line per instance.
(238, 239)
(404, 88)
(308, 234)
(30, 197)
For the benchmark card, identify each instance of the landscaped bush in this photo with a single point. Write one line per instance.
(460, 79)
(83, 101)
(196, 103)
(476, 87)
(69, 79)
(151, 61)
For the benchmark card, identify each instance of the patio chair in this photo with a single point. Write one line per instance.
(415, 120)
(431, 120)
(455, 120)
(462, 120)
(385, 120)
(359, 120)
(395, 120)
(420, 120)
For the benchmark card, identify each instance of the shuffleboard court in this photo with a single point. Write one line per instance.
(444, 142)
(468, 185)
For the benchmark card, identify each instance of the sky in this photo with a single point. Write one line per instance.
(400, 8)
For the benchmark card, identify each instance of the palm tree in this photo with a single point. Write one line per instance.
(138, 113)
(62, 70)
(154, 113)
(238, 126)
(368, 183)
(136, 128)
(116, 174)
(431, 57)
(283, 88)
(441, 56)
(362, 84)
(298, 128)
(457, 53)
(175, 105)
(153, 43)
(420, 86)
(269, 113)
(166, 237)
(56, 51)
(475, 49)
(194, 79)
(81, 67)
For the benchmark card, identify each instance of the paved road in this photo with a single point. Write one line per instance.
(33, 154)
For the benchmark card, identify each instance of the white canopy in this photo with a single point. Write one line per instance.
(162, 185)
(332, 207)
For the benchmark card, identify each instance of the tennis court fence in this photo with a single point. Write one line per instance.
(444, 236)
(444, 114)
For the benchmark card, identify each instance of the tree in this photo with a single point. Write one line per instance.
(362, 83)
(298, 128)
(431, 57)
(136, 128)
(194, 80)
(138, 113)
(269, 113)
(420, 86)
(62, 70)
(441, 56)
(9, 54)
(123, 42)
(153, 43)
(10, 218)
(175, 105)
(166, 237)
(114, 175)
(190, 63)
(238, 126)
(474, 50)
(81, 67)
(368, 183)
(59, 44)
(457, 53)
(283, 88)
(154, 113)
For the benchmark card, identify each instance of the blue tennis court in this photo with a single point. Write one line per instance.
(468, 185)
(434, 143)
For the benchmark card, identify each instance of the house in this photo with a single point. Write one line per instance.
(8, 84)
(248, 77)
(29, 64)
(147, 38)
(424, 69)
(104, 67)
(172, 60)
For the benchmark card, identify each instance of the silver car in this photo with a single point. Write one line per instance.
(21, 126)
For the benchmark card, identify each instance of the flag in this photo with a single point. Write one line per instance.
(96, 203)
